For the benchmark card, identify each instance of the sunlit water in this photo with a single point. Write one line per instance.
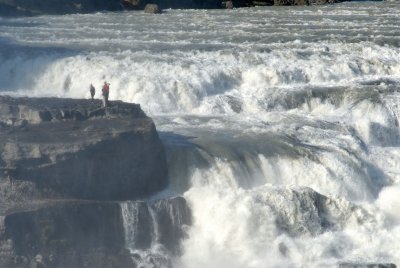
(281, 124)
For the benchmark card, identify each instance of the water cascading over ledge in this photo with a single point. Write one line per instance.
(154, 230)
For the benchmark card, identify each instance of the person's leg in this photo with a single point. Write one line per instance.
(104, 101)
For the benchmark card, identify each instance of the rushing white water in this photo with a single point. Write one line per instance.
(281, 123)
(142, 235)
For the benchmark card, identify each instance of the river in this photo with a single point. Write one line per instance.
(281, 124)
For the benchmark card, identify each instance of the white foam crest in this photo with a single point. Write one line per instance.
(328, 157)
(389, 202)
(161, 86)
(223, 228)
(326, 65)
(130, 214)
(234, 227)
(329, 176)
(375, 121)
(196, 82)
(156, 255)
(388, 159)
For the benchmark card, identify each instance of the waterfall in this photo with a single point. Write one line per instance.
(130, 216)
(153, 230)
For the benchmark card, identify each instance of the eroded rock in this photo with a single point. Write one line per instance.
(77, 233)
(75, 149)
(152, 9)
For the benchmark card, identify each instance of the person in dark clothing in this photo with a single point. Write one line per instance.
(92, 91)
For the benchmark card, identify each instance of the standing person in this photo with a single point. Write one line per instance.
(105, 91)
(92, 91)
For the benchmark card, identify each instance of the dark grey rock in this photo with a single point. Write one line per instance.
(323, 2)
(66, 150)
(308, 212)
(161, 224)
(77, 224)
(173, 216)
(234, 103)
(38, 7)
(167, 218)
(63, 234)
(132, 4)
(366, 265)
(263, 2)
(290, 2)
(77, 233)
(83, 152)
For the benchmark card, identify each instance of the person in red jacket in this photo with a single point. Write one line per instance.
(105, 92)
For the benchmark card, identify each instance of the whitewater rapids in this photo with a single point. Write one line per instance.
(281, 124)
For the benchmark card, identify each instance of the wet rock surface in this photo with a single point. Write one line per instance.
(366, 265)
(78, 233)
(65, 167)
(76, 149)
(162, 222)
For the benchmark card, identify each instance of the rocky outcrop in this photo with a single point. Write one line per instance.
(38, 7)
(75, 149)
(164, 4)
(152, 9)
(322, 2)
(304, 2)
(64, 234)
(89, 234)
(303, 211)
(284, 2)
(160, 224)
(263, 2)
(366, 265)
(66, 168)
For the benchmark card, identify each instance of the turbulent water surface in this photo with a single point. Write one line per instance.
(281, 123)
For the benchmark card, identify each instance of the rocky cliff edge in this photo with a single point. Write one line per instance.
(66, 168)
(66, 148)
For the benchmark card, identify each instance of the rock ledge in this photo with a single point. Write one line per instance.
(76, 149)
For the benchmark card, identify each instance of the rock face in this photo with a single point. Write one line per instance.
(89, 234)
(263, 2)
(164, 4)
(65, 234)
(75, 149)
(66, 168)
(322, 2)
(37, 7)
(367, 265)
(303, 2)
(161, 224)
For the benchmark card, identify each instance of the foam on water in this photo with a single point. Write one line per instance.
(192, 82)
(193, 60)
